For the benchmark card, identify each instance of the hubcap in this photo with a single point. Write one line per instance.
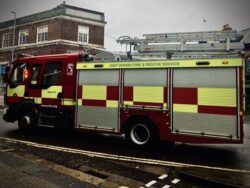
(26, 121)
(140, 134)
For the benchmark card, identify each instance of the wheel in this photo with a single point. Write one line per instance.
(141, 133)
(27, 120)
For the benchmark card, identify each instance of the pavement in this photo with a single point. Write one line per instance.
(216, 178)
(26, 170)
(1, 99)
(16, 171)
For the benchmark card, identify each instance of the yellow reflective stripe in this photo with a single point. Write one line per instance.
(111, 104)
(38, 100)
(79, 102)
(165, 105)
(68, 102)
(130, 103)
(185, 108)
(29, 97)
(217, 97)
(94, 92)
(148, 94)
(17, 91)
(229, 62)
(51, 92)
(33, 82)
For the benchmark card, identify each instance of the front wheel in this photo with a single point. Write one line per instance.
(27, 120)
(141, 133)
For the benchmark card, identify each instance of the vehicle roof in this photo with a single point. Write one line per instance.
(49, 57)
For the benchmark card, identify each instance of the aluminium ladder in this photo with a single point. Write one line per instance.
(188, 45)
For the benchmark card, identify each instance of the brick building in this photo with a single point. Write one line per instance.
(59, 30)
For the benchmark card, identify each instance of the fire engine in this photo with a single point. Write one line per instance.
(191, 100)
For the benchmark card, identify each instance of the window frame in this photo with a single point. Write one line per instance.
(44, 71)
(14, 74)
(19, 36)
(37, 33)
(37, 81)
(85, 31)
(3, 39)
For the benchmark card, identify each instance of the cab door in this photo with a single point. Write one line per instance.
(51, 84)
(47, 87)
(34, 89)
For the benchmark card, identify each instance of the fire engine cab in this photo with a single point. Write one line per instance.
(185, 100)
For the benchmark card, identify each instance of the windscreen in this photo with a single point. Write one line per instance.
(18, 74)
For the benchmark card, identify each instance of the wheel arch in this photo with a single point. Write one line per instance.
(25, 106)
(138, 118)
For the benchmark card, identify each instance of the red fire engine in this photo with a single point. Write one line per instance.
(187, 100)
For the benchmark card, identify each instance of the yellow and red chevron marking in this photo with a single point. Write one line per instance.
(108, 96)
(98, 95)
(145, 96)
(187, 100)
(42, 96)
(17, 91)
(205, 100)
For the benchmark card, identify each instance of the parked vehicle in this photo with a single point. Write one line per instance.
(188, 100)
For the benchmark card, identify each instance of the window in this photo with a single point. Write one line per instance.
(35, 73)
(83, 34)
(52, 73)
(23, 36)
(7, 40)
(248, 65)
(42, 33)
(18, 75)
(3, 71)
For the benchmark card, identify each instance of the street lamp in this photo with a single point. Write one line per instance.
(14, 32)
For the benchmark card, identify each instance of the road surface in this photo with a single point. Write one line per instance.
(232, 157)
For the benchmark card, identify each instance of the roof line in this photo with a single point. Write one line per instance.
(59, 10)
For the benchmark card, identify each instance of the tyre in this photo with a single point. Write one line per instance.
(141, 133)
(27, 120)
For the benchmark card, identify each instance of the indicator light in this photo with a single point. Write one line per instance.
(26, 74)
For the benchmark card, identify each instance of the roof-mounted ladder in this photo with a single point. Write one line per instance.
(209, 43)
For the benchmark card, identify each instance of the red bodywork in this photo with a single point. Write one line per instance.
(162, 119)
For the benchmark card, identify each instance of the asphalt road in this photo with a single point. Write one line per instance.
(226, 156)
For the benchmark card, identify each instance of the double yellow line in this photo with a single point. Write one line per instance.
(118, 157)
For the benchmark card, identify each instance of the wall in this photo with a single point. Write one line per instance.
(70, 32)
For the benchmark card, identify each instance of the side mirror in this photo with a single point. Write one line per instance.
(88, 57)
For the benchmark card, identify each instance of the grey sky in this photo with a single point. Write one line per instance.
(137, 17)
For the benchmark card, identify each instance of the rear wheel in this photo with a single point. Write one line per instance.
(141, 133)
